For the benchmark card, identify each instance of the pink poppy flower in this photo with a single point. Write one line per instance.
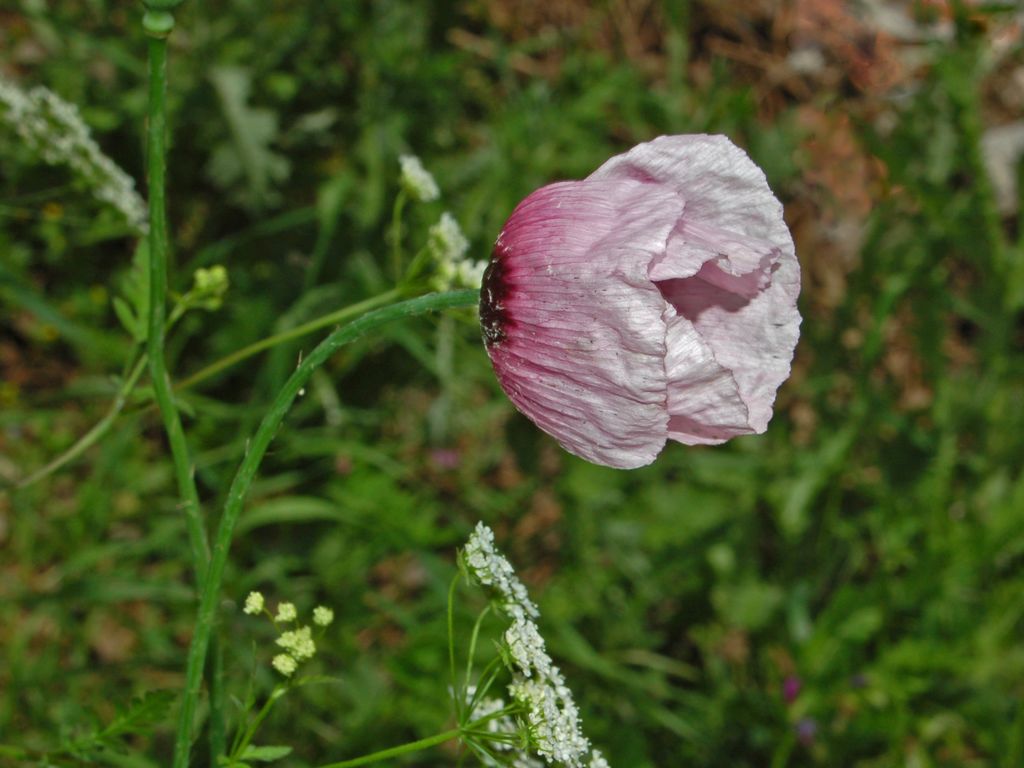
(654, 300)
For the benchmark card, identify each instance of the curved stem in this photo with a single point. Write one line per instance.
(250, 732)
(101, 427)
(402, 749)
(247, 472)
(430, 741)
(98, 430)
(340, 316)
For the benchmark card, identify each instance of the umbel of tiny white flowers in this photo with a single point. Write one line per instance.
(297, 643)
(552, 717)
(322, 616)
(449, 246)
(254, 603)
(286, 612)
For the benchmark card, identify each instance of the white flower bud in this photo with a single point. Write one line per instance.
(253, 603)
(416, 180)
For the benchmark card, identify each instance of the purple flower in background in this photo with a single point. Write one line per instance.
(791, 687)
(806, 729)
(654, 300)
(445, 458)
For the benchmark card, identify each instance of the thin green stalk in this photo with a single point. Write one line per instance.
(419, 262)
(402, 749)
(247, 472)
(218, 703)
(158, 25)
(454, 684)
(472, 728)
(473, 638)
(396, 235)
(332, 318)
(242, 743)
(98, 430)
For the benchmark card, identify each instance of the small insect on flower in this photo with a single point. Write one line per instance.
(654, 300)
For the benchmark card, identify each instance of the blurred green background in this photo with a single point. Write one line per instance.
(846, 590)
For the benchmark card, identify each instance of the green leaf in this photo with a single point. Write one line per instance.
(265, 754)
(246, 165)
(143, 714)
(127, 317)
(133, 309)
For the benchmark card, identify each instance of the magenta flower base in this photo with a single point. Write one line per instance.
(654, 300)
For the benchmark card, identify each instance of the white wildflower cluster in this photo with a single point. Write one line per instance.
(491, 569)
(553, 718)
(448, 246)
(297, 643)
(254, 603)
(417, 180)
(503, 727)
(285, 664)
(526, 647)
(286, 612)
(53, 129)
(503, 731)
(538, 686)
(322, 616)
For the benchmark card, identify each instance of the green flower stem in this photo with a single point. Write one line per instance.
(457, 698)
(123, 395)
(473, 728)
(218, 703)
(158, 26)
(242, 743)
(402, 749)
(422, 259)
(333, 318)
(247, 472)
(396, 235)
(98, 430)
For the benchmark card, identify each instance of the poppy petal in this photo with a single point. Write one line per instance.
(575, 329)
(704, 403)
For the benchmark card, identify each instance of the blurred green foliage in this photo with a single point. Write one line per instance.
(845, 590)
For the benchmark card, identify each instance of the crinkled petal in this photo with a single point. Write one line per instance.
(730, 267)
(573, 323)
(722, 187)
(704, 403)
(753, 338)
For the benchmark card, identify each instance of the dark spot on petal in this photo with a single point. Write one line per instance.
(493, 319)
